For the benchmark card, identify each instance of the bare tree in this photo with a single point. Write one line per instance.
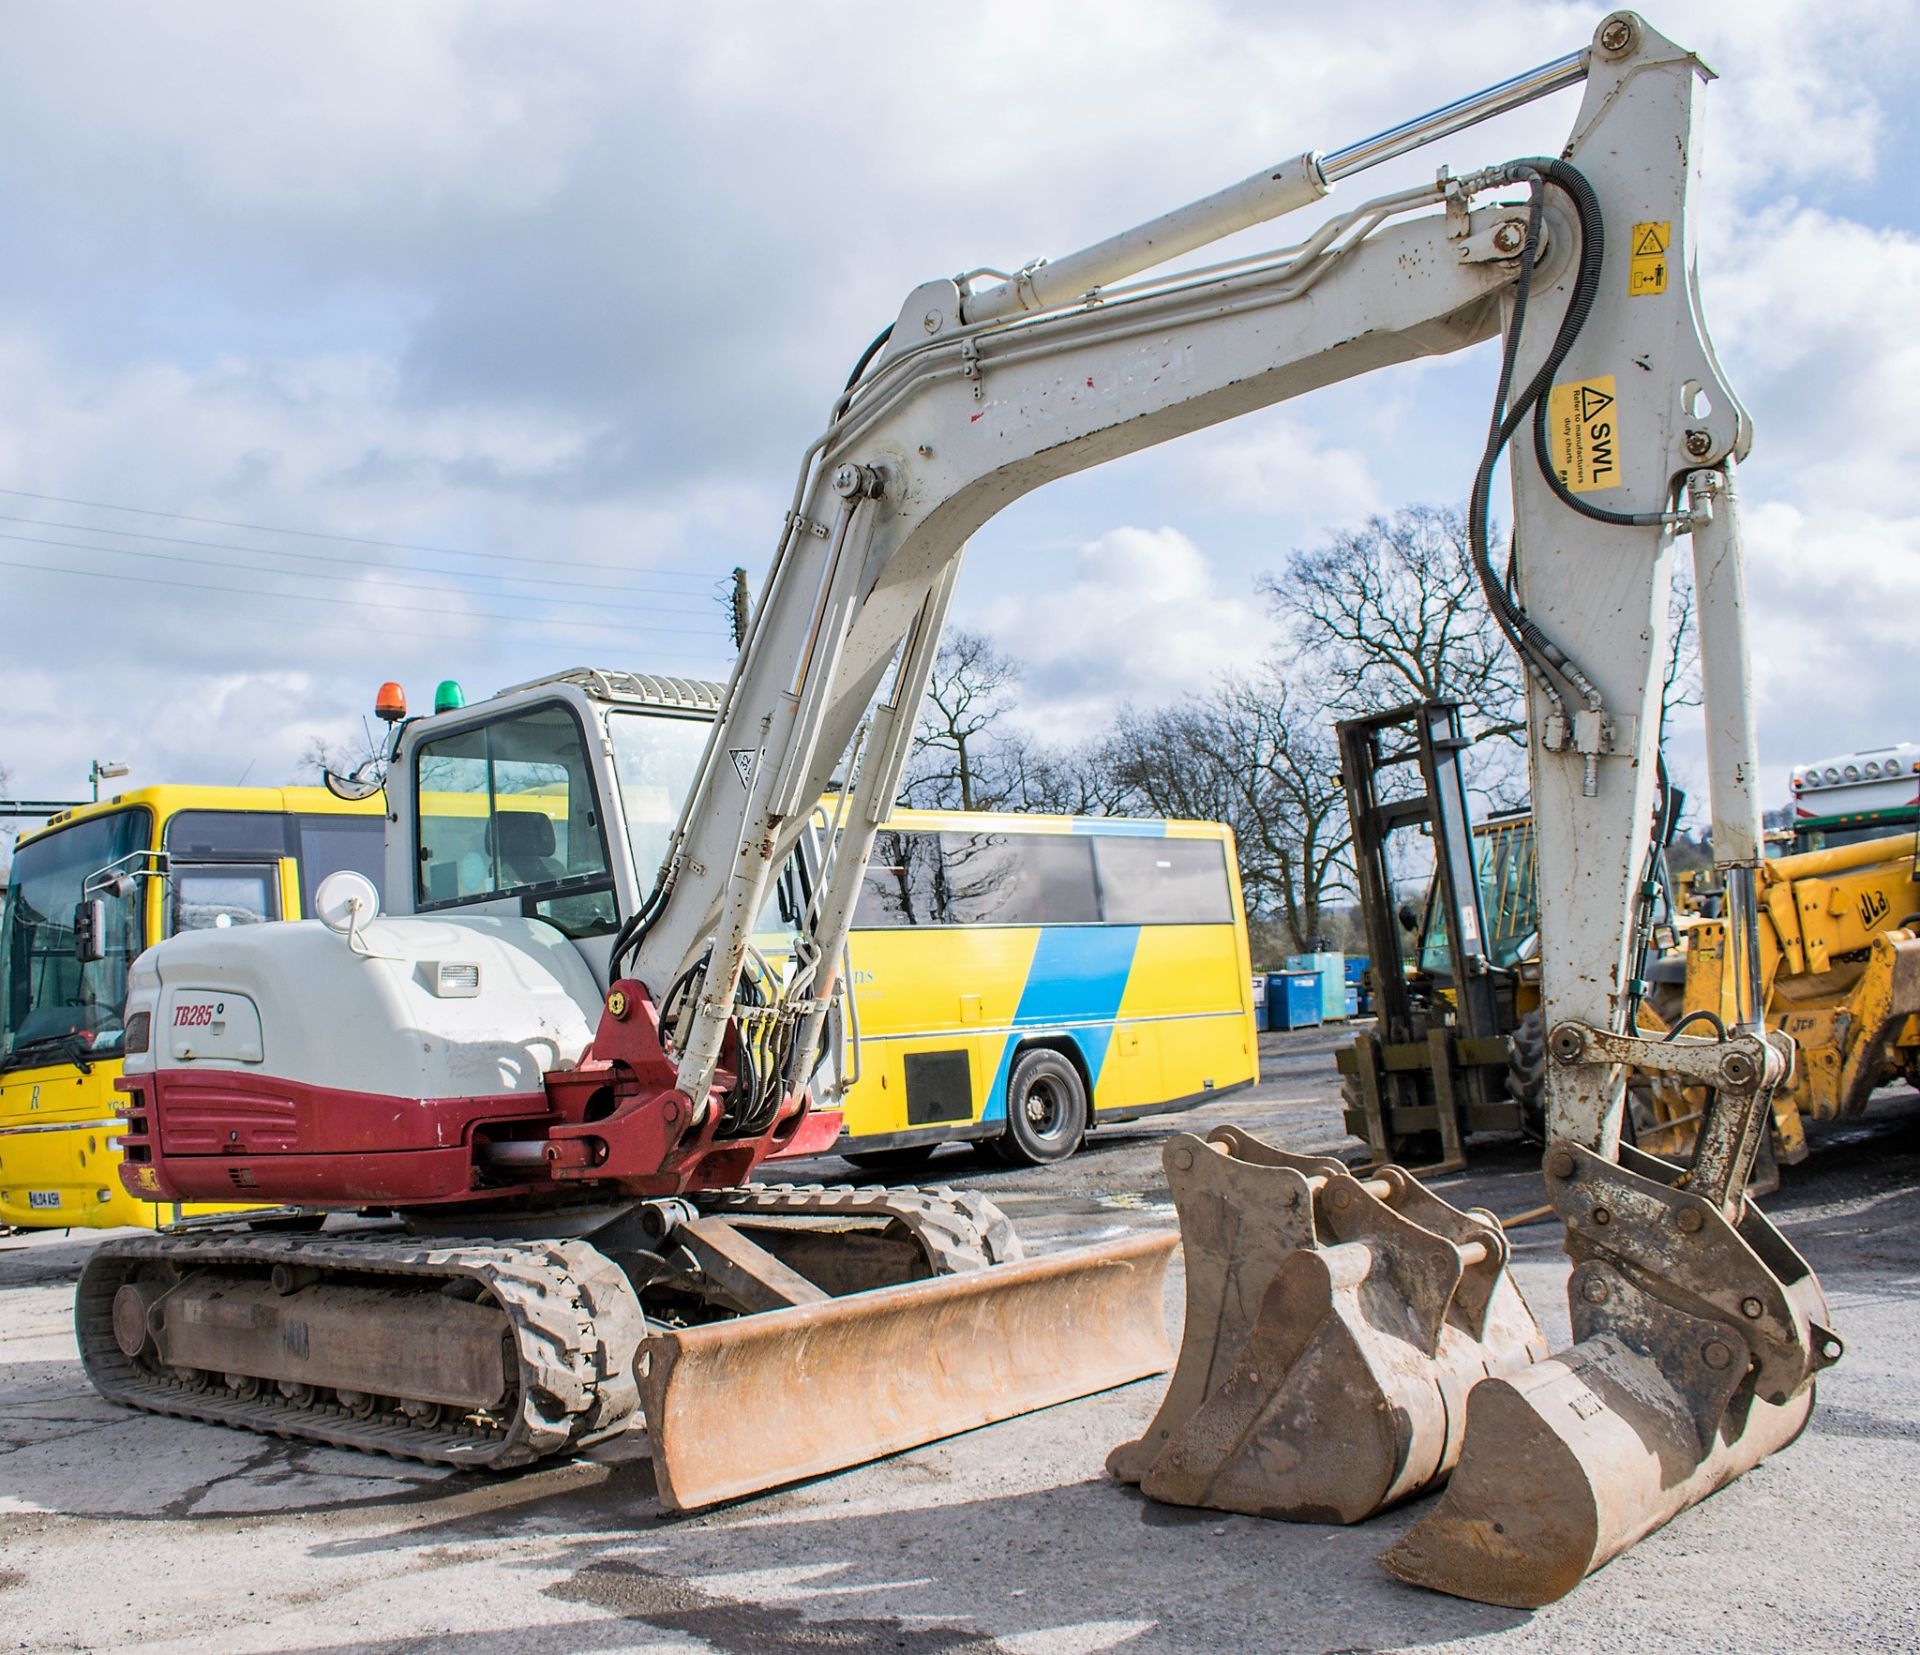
(1680, 678)
(1393, 612)
(956, 762)
(1257, 755)
(1067, 781)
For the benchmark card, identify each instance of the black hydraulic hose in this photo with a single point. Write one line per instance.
(1643, 913)
(866, 356)
(637, 925)
(1586, 208)
(1536, 649)
(1700, 1016)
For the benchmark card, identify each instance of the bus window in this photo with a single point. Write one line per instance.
(207, 898)
(50, 999)
(508, 808)
(330, 843)
(901, 886)
(225, 868)
(1018, 879)
(1163, 881)
(227, 835)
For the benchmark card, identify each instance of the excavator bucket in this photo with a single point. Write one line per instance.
(1334, 1328)
(1568, 1464)
(1659, 1402)
(734, 1407)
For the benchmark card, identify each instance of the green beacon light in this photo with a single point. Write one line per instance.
(449, 697)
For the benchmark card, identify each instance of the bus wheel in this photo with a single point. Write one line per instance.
(1046, 1110)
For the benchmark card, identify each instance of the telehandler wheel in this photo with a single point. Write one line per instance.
(1046, 1110)
(1527, 1074)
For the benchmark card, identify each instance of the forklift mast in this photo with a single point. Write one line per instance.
(1419, 1074)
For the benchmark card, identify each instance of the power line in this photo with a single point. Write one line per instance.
(346, 603)
(305, 625)
(336, 561)
(343, 539)
(301, 574)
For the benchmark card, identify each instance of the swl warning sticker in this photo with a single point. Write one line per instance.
(744, 761)
(1647, 258)
(1583, 430)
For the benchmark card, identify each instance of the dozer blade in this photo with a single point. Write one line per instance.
(737, 1406)
(1334, 1328)
(1697, 1339)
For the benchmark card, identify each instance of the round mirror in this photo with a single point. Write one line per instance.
(345, 900)
(355, 787)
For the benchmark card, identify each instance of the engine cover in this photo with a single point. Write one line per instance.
(289, 1063)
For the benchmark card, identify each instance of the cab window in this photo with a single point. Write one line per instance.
(508, 809)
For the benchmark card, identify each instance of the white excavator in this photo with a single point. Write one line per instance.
(558, 1064)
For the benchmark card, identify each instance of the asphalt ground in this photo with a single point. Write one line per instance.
(125, 1531)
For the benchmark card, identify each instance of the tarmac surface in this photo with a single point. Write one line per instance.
(125, 1531)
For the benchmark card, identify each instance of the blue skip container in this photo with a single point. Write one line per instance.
(1294, 1000)
(1333, 986)
(1259, 1002)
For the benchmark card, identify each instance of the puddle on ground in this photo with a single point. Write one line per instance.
(1136, 1201)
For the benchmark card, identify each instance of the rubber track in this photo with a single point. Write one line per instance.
(575, 1321)
(958, 1230)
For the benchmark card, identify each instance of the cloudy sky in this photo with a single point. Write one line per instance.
(346, 342)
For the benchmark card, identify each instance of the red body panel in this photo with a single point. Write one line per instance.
(221, 1112)
(612, 1125)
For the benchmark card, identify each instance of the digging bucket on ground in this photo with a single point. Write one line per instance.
(1335, 1325)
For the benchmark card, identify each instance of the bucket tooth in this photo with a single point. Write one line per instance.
(737, 1406)
(1334, 1328)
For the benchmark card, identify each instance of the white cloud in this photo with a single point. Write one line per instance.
(1289, 470)
(1819, 319)
(1143, 620)
(578, 282)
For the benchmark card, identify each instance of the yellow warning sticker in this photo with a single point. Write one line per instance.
(1583, 431)
(1647, 258)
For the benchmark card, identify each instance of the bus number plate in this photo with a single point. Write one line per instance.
(43, 1198)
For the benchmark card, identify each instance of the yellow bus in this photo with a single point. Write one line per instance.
(1016, 980)
(160, 859)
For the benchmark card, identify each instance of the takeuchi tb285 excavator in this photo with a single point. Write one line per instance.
(559, 1062)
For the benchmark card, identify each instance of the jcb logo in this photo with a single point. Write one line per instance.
(1873, 908)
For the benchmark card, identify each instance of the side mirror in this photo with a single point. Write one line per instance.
(90, 931)
(357, 786)
(1409, 918)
